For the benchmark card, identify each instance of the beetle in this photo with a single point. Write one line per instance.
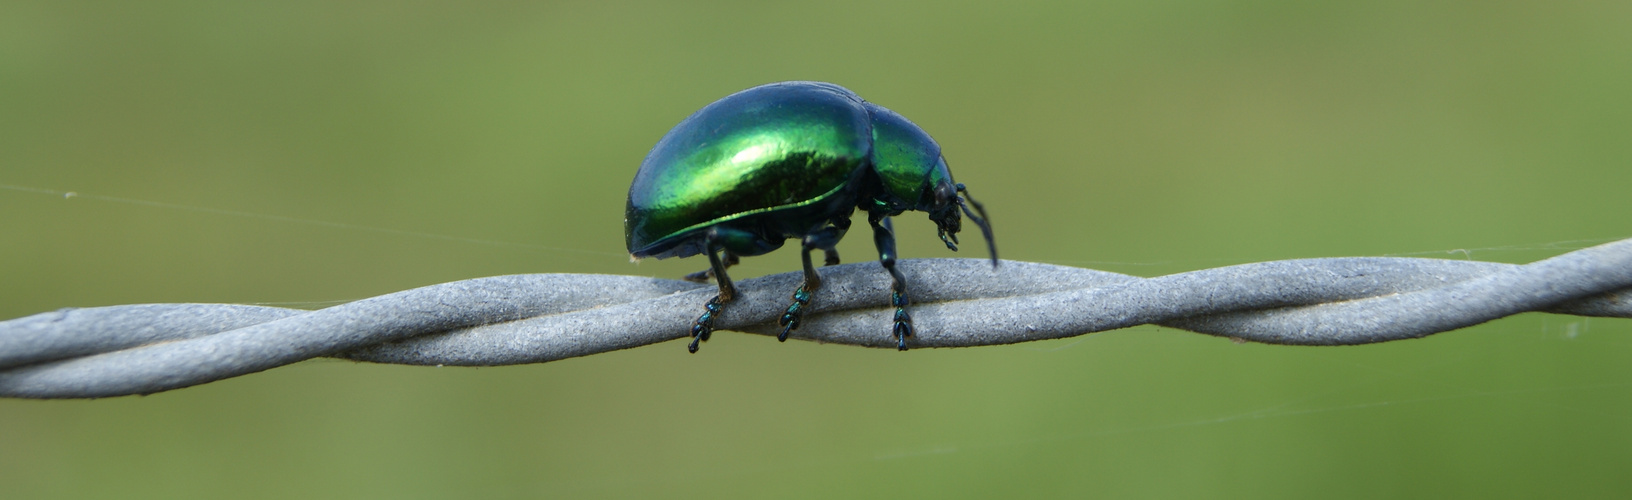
(790, 160)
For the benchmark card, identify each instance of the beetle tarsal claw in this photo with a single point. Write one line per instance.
(704, 326)
(903, 321)
(795, 313)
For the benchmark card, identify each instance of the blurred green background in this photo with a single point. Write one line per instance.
(454, 141)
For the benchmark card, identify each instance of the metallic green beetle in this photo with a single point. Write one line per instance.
(789, 160)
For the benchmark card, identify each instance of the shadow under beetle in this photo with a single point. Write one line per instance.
(790, 160)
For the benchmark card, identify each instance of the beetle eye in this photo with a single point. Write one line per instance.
(945, 195)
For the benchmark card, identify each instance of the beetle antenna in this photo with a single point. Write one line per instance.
(985, 227)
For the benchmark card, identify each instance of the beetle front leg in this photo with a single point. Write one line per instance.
(824, 240)
(884, 239)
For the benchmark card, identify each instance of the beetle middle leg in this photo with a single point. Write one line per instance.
(884, 239)
(823, 239)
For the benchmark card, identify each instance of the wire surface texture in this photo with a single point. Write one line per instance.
(504, 320)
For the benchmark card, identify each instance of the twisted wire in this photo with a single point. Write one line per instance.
(142, 349)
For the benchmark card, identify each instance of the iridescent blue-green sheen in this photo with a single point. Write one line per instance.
(773, 148)
(907, 160)
(791, 160)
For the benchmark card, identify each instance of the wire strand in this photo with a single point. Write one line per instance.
(504, 320)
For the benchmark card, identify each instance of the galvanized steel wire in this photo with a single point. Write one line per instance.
(142, 349)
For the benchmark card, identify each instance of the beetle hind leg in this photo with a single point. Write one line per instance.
(824, 240)
(704, 326)
(703, 276)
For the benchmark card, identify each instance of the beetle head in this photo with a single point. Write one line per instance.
(951, 203)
